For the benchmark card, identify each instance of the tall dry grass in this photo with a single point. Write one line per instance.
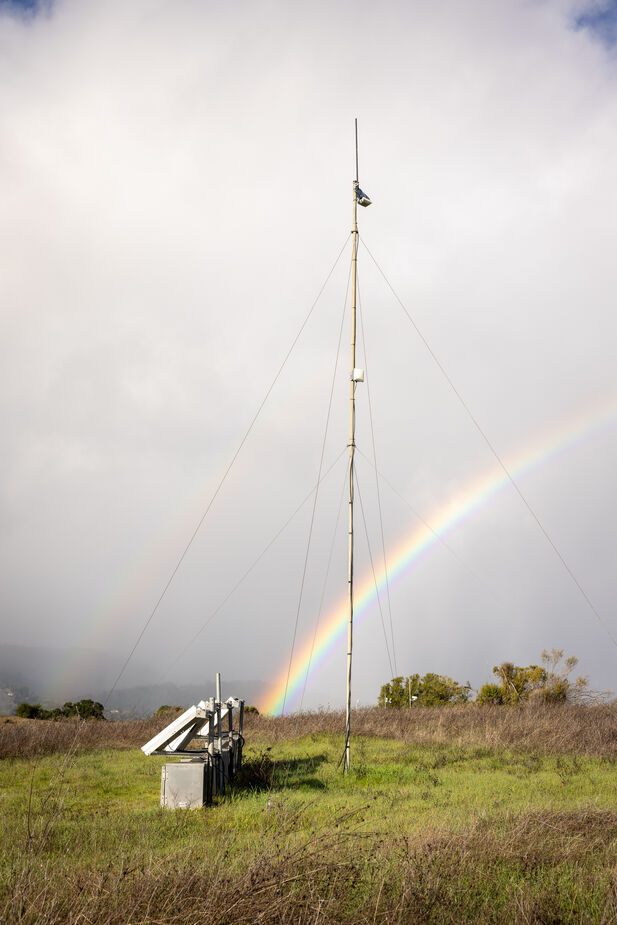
(33, 738)
(538, 870)
(589, 730)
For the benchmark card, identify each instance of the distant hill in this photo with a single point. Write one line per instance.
(143, 701)
(60, 673)
(51, 676)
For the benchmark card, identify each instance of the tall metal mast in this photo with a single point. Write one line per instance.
(352, 447)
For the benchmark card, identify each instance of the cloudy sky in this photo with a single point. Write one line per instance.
(175, 180)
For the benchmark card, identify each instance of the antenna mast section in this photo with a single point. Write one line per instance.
(357, 375)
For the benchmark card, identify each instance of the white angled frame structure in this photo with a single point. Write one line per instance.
(201, 721)
(219, 749)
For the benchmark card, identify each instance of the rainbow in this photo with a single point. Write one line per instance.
(286, 690)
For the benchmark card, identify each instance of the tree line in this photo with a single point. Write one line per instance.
(549, 682)
(84, 709)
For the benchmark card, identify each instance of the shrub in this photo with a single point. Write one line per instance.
(549, 682)
(519, 683)
(490, 693)
(29, 711)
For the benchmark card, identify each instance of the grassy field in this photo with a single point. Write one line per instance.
(452, 815)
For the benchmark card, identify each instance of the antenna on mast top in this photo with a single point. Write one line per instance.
(361, 198)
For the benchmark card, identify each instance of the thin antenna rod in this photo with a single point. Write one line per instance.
(352, 447)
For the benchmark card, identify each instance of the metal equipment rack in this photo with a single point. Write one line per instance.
(215, 755)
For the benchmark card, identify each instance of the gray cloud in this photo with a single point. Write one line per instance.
(176, 183)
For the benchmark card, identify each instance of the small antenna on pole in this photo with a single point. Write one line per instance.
(359, 197)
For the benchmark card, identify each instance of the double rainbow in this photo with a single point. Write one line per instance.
(286, 690)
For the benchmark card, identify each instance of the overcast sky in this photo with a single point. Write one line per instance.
(175, 180)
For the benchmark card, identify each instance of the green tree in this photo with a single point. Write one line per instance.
(558, 688)
(29, 711)
(399, 692)
(519, 683)
(437, 689)
(85, 709)
(429, 691)
(548, 682)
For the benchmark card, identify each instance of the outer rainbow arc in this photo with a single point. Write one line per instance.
(421, 540)
(405, 555)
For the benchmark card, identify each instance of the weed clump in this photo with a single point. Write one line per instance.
(256, 773)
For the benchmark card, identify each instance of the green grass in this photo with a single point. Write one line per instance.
(428, 833)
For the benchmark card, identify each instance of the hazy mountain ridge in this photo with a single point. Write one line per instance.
(36, 674)
(143, 701)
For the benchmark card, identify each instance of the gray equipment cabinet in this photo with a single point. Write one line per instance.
(186, 784)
